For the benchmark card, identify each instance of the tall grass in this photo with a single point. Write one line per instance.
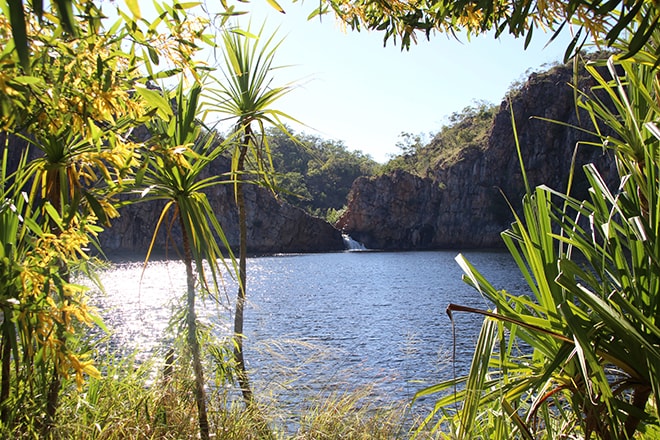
(134, 400)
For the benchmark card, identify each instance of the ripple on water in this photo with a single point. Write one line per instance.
(323, 321)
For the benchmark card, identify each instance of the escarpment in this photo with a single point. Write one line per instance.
(466, 202)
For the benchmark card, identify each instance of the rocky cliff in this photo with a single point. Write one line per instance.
(464, 203)
(273, 226)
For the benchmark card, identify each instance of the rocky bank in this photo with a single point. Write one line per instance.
(464, 204)
(273, 226)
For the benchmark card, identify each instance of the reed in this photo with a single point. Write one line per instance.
(134, 400)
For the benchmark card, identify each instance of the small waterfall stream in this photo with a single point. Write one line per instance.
(352, 245)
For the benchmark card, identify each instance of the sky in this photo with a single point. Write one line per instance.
(350, 88)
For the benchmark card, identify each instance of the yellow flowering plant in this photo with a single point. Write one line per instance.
(405, 20)
(74, 101)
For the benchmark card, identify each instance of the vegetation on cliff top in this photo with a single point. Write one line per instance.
(466, 129)
(316, 174)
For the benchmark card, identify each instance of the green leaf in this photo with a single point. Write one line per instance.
(157, 101)
(19, 32)
(276, 6)
(134, 7)
(164, 74)
(28, 80)
(153, 55)
(321, 10)
(65, 12)
(96, 207)
(99, 322)
(186, 5)
(244, 33)
(53, 214)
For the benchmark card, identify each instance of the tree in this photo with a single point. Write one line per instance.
(73, 109)
(246, 96)
(176, 159)
(589, 315)
(74, 99)
(316, 174)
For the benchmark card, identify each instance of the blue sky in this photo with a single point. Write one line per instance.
(352, 89)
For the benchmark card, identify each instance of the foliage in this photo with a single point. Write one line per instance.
(349, 416)
(466, 129)
(588, 359)
(135, 400)
(605, 22)
(73, 101)
(43, 313)
(247, 97)
(72, 109)
(316, 174)
(15, 10)
(75, 17)
(175, 161)
(578, 353)
(412, 157)
(333, 215)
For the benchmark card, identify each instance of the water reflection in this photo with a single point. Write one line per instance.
(323, 321)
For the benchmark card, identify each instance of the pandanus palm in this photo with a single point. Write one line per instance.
(246, 96)
(71, 190)
(590, 318)
(175, 162)
(73, 110)
(40, 308)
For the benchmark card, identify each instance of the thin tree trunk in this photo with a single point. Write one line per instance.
(6, 370)
(640, 397)
(54, 196)
(53, 398)
(243, 380)
(193, 343)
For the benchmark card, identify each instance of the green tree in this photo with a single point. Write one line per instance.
(73, 109)
(42, 311)
(316, 174)
(590, 313)
(247, 96)
(466, 129)
(176, 160)
(404, 20)
(73, 100)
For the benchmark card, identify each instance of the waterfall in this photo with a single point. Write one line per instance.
(352, 245)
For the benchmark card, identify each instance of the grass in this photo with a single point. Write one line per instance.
(134, 400)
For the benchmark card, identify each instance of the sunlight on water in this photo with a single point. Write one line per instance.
(317, 323)
(138, 304)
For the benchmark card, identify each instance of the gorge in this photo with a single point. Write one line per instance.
(458, 203)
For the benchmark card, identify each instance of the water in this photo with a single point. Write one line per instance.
(352, 245)
(322, 322)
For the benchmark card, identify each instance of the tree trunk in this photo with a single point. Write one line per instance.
(5, 383)
(193, 343)
(640, 397)
(54, 196)
(243, 380)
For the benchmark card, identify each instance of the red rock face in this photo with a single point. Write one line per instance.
(273, 226)
(464, 205)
